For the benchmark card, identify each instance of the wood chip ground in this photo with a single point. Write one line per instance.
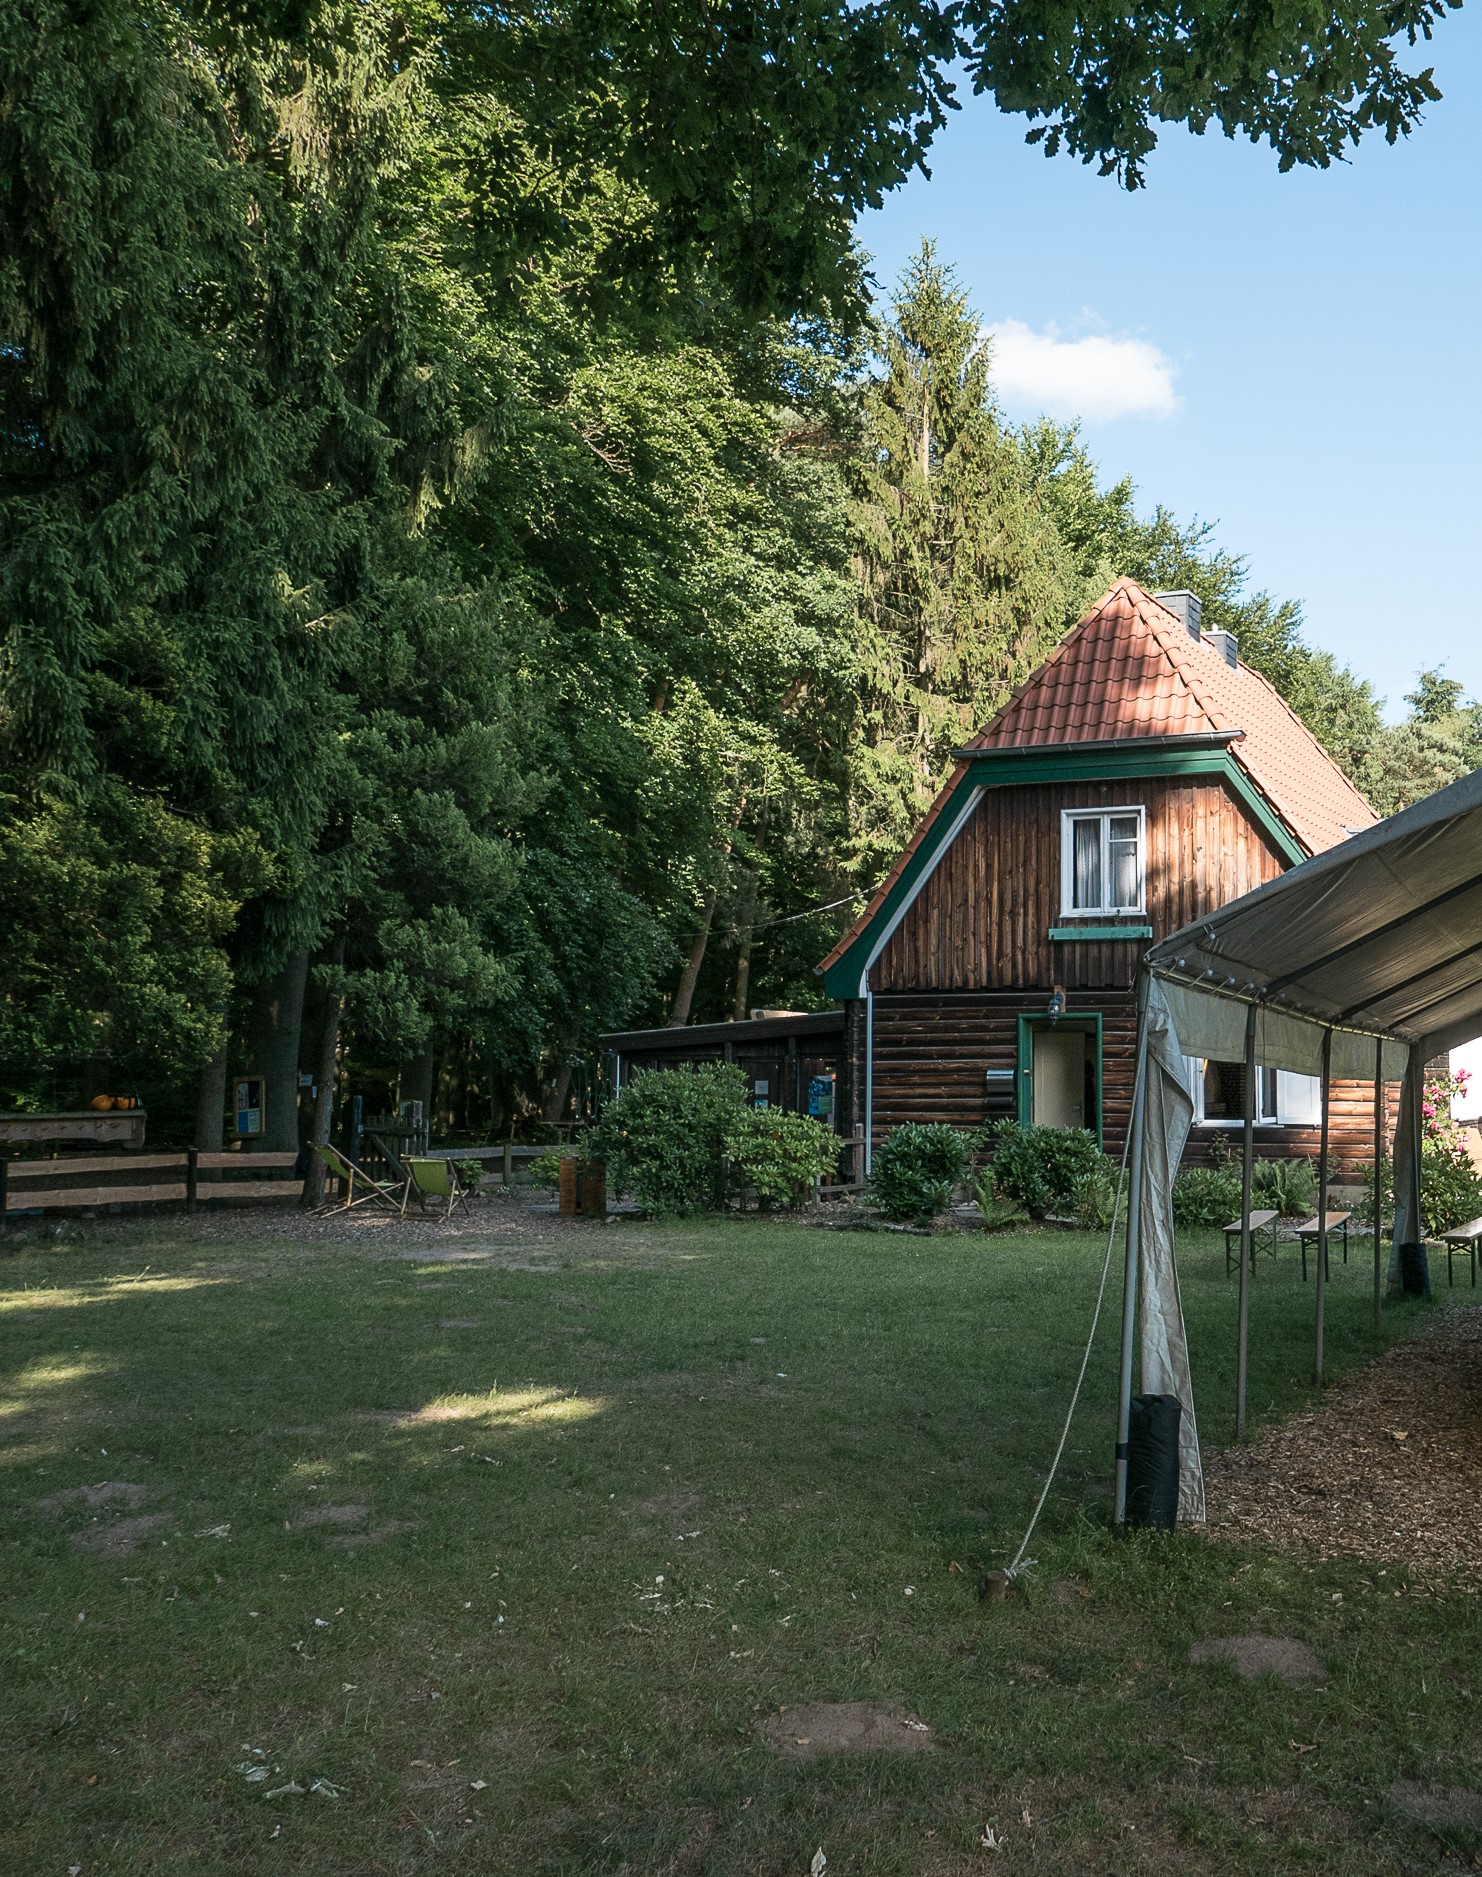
(1388, 1468)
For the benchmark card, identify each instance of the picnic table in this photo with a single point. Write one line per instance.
(1308, 1232)
(1462, 1238)
(1259, 1221)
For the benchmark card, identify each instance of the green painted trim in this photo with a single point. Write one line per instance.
(1017, 768)
(1063, 934)
(1089, 1024)
(842, 977)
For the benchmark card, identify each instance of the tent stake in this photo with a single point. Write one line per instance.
(1379, 1132)
(1322, 1200)
(1134, 1248)
(1247, 1173)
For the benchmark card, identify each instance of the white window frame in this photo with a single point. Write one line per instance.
(1068, 818)
(1292, 1092)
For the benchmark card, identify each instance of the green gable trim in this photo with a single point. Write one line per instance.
(1015, 769)
(1063, 934)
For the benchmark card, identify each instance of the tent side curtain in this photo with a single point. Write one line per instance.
(1211, 1024)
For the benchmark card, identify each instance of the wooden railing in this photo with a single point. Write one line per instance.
(75, 1183)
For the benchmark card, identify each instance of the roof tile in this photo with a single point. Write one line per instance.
(1132, 668)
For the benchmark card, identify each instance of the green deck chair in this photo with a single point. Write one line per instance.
(373, 1192)
(435, 1179)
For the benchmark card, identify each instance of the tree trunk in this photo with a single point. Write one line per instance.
(420, 1081)
(555, 1101)
(679, 1013)
(211, 1103)
(743, 950)
(277, 1022)
(324, 1075)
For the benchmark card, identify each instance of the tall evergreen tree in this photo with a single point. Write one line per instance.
(963, 581)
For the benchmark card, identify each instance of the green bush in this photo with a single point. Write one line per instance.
(997, 1211)
(1450, 1191)
(1043, 1167)
(1096, 1195)
(1205, 1196)
(779, 1155)
(917, 1168)
(663, 1138)
(1285, 1186)
(545, 1170)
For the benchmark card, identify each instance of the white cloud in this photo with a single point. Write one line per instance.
(1096, 377)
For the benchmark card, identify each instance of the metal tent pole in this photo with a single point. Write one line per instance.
(1247, 1173)
(1322, 1199)
(1134, 1247)
(1379, 1132)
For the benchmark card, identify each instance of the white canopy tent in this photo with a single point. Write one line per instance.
(1365, 961)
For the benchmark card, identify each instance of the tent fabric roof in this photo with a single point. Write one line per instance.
(1131, 668)
(1382, 934)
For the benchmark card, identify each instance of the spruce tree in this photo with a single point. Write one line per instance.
(962, 577)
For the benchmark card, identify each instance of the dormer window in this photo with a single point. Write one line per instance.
(1103, 861)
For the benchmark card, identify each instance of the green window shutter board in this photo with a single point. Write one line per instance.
(1063, 934)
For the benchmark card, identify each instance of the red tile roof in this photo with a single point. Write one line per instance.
(1131, 668)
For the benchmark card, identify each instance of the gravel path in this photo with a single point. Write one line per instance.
(1388, 1468)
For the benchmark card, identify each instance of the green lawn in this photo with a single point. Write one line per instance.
(624, 1510)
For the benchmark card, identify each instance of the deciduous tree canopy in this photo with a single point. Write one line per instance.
(469, 563)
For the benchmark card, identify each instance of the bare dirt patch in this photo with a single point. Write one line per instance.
(372, 1535)
(1289, 1659)
(1388, 1468)
(846, 1727)
(459, 1323)
(120, 1536)
(1439, 1808)
(331, 1515)
(108, 1493)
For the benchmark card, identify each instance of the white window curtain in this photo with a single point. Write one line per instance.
(1086, 893)
(1124, 843)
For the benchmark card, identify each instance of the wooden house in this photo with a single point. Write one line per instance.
(1140, 777)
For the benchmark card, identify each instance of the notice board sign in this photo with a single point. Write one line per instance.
(248, 1106)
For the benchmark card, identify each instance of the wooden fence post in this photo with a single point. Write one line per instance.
(192, 1170)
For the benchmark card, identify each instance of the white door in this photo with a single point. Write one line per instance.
(1059, 1078)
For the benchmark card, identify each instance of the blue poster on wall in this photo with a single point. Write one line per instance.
(821, 1097)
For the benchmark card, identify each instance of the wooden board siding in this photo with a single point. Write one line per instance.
(982, 920)
(932, 1053)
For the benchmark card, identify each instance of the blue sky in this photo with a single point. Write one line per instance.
(1294, 357)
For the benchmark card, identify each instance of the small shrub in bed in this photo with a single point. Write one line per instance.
(663, 1138)
(1043, 1167)
(779, 1156)
(917, 1168)
(1205, 1196)
(1285, 1186)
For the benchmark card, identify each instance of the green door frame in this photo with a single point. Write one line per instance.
(1088, 1025)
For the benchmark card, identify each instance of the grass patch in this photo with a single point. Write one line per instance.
(516, 1562)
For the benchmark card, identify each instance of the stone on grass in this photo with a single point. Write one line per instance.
(1283, 1656)
(120, 1536)
(1441, 1808)
(331, 1515)
(108, 1492)
(846, 1727)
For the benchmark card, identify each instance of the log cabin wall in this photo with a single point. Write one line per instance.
(982, 920)
(973, 953)
(933, 1055)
